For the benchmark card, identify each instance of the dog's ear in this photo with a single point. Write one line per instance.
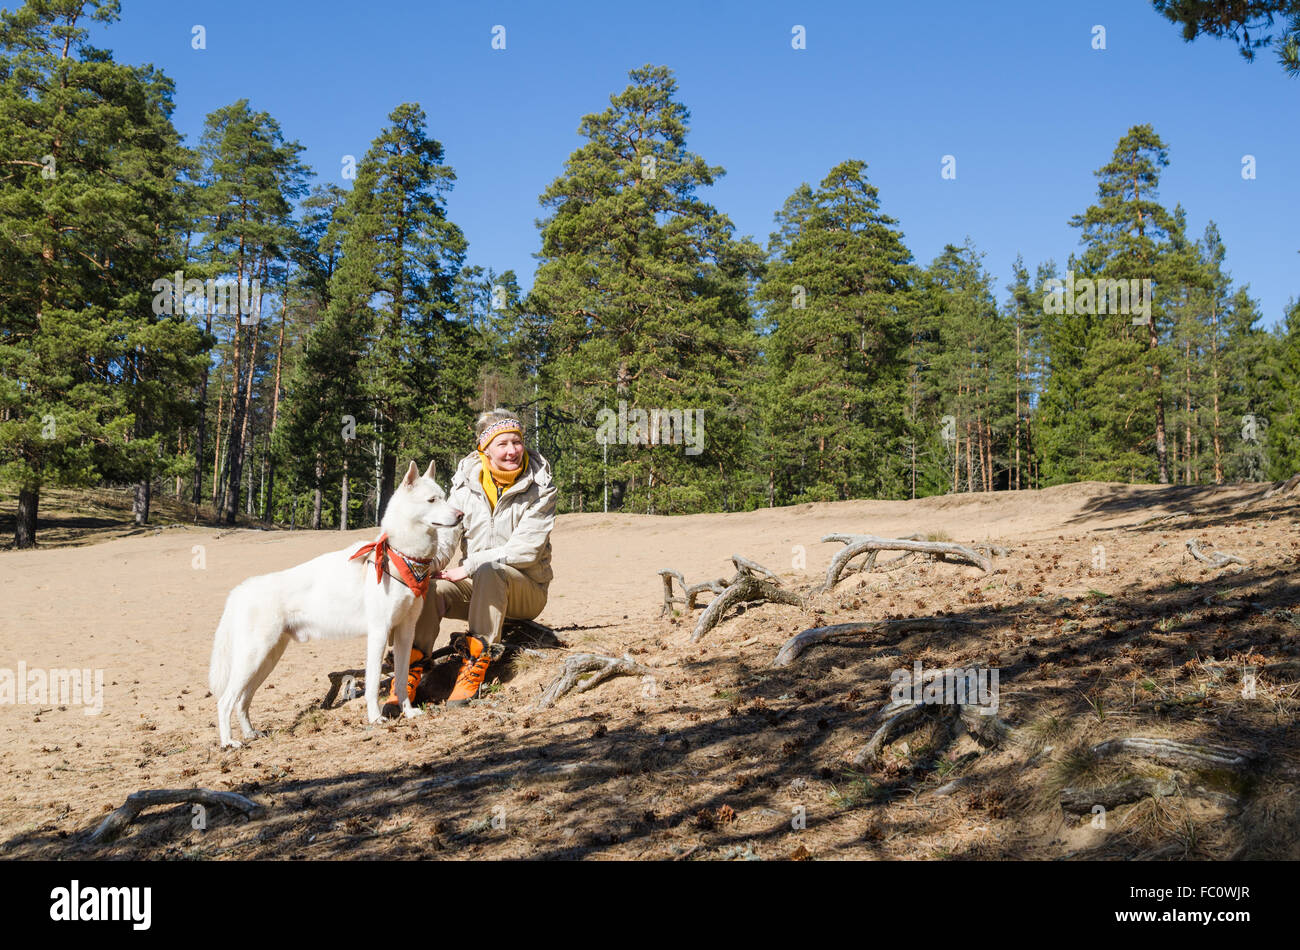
(428, 472)
(411, 474)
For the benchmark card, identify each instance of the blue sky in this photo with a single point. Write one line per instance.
(1014, 91)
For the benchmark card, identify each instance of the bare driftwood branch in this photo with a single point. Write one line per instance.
(855, 544)
(745, 587)
(116, 822)
(1193, 755)
(797, 644)
(1218, 560)
(602, 668)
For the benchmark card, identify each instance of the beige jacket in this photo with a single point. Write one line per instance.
(518, 533)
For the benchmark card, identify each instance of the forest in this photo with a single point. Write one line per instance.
(219, 323)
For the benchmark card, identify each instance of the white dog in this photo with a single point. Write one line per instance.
(367, 588)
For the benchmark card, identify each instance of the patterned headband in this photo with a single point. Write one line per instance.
(496, 428)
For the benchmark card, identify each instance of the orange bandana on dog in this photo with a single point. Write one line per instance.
(386, 552)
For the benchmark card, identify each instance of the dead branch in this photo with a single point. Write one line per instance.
(1218, 560)
(602, 667)
(744, 587)
(116, 822)
(855, 544)
(797, 644)
(1198, 755)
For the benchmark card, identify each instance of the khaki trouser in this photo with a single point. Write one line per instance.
(495, 592)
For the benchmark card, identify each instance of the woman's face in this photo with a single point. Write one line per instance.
(506, 451)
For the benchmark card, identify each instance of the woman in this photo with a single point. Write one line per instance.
(506, 493)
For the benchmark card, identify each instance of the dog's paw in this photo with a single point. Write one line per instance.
(232, 744)
(255, 734)
(410, 712)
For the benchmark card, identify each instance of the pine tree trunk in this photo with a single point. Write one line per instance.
(197, 494)
(1187, 423)
(316, 498)
(970, 467)
(988, 443)
(140, 501)
(1017, 405)
(1214, 366)
(343, 499)
(1162, 451)
(235, 457)
(25, 522)
(216, 449)
(275, 404)
(388, 480)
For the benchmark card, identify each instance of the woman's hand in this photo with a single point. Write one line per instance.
(454, 574)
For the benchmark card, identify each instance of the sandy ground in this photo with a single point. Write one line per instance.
(713, 756)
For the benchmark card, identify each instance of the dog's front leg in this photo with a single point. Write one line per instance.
(403, 638)
(376, 641)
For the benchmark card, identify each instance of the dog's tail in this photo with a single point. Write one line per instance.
(222, 646)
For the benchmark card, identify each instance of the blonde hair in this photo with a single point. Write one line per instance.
(491, 418)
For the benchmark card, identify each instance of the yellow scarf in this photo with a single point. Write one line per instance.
(494, 481)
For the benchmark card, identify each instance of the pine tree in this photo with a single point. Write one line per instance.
(1284, 417)
(1125, 236)
(90, 379)
(642, 290)
(251, 176)
(400, 257)
(838, 289)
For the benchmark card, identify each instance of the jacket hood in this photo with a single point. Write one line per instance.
(539, 469)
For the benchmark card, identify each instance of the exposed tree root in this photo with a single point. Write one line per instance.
(1190, 755)
(744, 587)
(898, 719)
(1082, 800)
(690, 591)
(603, 667)
(1154, 519)
(1282, 487)
(116, 822)
(901, 716)
(797, 644)
(855, 544)
(1218, 560)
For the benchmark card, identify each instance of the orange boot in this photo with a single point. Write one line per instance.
(473, 670)
(413, 677)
